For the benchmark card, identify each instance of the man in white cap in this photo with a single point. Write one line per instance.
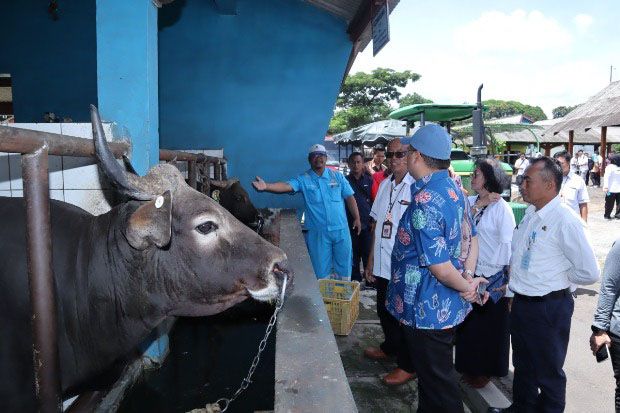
(325, 193)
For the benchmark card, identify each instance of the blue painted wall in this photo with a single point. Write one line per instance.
(261, 84)
(53, 63)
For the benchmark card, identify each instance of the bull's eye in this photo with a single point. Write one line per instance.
(238, 198)
(206, 227)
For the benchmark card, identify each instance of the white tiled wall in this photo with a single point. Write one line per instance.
(72, 179)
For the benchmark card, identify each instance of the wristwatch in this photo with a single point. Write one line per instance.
(469, 272)
(597, 330)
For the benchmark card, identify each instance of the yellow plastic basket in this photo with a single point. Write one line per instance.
(342, 301)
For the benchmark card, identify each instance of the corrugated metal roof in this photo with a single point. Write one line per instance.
(529, 135)
(602, 109)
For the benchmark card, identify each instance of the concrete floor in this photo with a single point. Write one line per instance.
(590, 386)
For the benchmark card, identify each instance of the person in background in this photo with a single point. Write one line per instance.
(361, 182)
(574, 191)
(590, 166)
(611, 187)
(521, 163)
(391, 202)
(377, 178)
(427, 293)
(595, 172)
(483, 340)
(376, 163)
(325, 194)
(606, 325)
(546, 261)
(580, 164)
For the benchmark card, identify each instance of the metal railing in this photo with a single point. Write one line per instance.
(36, 147)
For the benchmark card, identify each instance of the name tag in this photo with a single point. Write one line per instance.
(386, 230)
(525, 260)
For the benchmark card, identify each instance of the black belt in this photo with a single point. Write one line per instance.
(554, 294)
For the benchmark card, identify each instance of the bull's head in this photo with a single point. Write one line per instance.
(201, 258)
(232, 196)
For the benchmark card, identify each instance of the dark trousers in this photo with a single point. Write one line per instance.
(614, 351)
(394, 343)
(540, 331)
(610, 200)
(431, 354)
(361, 248)
(596, 178)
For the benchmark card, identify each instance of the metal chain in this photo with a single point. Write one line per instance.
(223, 403)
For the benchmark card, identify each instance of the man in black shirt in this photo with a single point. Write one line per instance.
(361, 182)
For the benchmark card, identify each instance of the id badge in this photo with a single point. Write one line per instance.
(525, 260)
(386, 230)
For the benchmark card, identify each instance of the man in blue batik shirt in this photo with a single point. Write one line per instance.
(325, 194)
(428, 293)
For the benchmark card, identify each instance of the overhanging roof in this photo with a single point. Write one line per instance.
(602, 109)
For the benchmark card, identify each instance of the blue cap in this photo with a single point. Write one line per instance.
(431, 140)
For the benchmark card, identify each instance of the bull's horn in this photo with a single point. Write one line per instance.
(128, 166)
(223, 183)
(126, 184)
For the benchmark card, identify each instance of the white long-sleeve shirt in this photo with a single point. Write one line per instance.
(550, 250)
(611, 180)
(495, 226)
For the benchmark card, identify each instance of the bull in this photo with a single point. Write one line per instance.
(169, 250)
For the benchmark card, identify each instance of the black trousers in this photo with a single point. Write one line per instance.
(614, 352)
(483, 341)
(431, 354)
(361, 248)
(609, 203)
(540, 331)
(394, 343)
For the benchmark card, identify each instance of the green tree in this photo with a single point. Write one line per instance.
(504, 108)
(562, 111)
(412, 99)
(366, 97)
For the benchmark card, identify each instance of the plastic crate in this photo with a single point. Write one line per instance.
(342, 301)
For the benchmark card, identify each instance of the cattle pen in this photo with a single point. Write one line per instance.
(307, 368)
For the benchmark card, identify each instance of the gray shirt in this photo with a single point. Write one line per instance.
(607, 315)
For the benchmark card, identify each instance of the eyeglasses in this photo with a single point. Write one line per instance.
(398, 155)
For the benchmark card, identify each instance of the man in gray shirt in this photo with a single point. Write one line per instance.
(606, 326)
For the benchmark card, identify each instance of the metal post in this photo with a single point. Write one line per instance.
(191, 174)
(42, 288)
(571, 138)
(217, 173)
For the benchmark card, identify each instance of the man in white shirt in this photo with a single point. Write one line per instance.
(574, 191)
(521, 164)
(393, 196)
(546, 260)
(579, 164)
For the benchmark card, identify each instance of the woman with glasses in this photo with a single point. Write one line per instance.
(483, 340)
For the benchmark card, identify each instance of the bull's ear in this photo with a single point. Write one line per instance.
(151, 223)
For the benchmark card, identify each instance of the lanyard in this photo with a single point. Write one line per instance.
(390, 203)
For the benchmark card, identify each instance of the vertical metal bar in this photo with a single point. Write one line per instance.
(603, 150)
(191, 174)
(42, 288)
(217, 173)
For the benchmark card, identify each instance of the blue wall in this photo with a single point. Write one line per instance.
(52, 63)
(261, 84)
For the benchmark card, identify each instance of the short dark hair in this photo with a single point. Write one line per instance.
(377, 149)
(495, 179)
(354, 154)
(563, 154)
(551, 171)
(435, 163)
(615, 159)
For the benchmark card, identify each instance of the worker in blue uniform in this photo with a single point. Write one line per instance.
(325, 194)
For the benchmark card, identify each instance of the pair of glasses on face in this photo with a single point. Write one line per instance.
(397, 155)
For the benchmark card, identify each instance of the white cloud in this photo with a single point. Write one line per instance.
(583, 22)
(518, 31)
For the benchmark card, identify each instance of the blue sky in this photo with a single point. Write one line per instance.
(546, 53)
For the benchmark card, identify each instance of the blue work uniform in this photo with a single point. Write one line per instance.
(329, 242)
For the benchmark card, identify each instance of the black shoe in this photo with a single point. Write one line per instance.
(617, 216)
(606, 217)
(500, 410)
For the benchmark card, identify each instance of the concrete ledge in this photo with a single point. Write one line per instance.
(480, 400)
(309, 374)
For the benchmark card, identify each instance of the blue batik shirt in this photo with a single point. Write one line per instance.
(429, 233)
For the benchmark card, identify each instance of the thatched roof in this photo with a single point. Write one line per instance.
(602, 109)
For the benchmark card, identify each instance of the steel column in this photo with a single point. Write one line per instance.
(42, 288)
(191, 174)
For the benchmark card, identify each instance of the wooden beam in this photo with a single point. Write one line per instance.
(603, 150)
(571, 137)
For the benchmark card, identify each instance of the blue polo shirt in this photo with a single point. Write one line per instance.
(324, 196)
(362, 188)
(429, 233)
